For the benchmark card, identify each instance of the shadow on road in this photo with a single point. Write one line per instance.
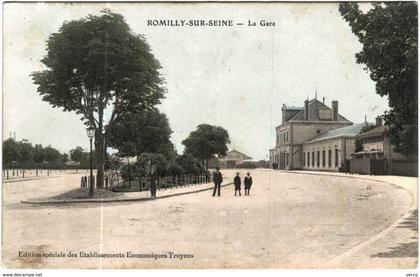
(404, 249)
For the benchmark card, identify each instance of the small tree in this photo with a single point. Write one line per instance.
(77, 154)
(207, 141)
(189, 164)
(151, 162)
(10, 152)
(358, 143)
(52, 156)
(25, 153)
(39, 154)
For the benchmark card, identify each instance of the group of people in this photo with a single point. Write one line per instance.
(218, 179)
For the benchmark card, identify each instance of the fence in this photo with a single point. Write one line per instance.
(142, 183)
(368, 166)
(384, 166)
(14, 173)
(404, 168)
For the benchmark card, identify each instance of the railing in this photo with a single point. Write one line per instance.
(142, 183)
(14, 173)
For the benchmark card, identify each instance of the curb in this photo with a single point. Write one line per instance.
(104, 200)
(8, 181)
(357, 176)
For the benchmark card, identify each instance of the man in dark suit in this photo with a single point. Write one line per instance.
(247, 183)
(217, 179)
(237, 183)
(153, 180)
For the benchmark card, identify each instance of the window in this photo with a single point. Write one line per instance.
(336, 157)
(318, 131)
(287, 159)
(313, 158)
(323, 158)
(287, 136)
(309, 157)
(277, 139)
(304, 158)
(317, 158)
(284, 137)
(329, 158)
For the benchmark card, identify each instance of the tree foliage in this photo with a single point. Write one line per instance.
(147, 131)
(388, 33)
(207, 141)
(358, 143)
(97, 64)
(77, 154)
(22, 154)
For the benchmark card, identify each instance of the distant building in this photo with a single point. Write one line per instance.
(378, 155)
(301, 125)
(376, 144)
(72, 163)
(232, 159)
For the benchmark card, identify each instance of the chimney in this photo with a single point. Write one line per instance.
(378, 121)
(283, 113)
(334, 105)
(306, 110)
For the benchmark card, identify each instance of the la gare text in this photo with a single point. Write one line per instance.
(207, 23)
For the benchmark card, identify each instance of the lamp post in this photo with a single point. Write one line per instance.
(90, 133)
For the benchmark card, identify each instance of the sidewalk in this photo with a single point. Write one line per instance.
(104, 196)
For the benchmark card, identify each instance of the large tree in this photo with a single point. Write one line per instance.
(207, 141)
(95, 65)
(388, 33)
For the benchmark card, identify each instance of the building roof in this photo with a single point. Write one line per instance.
(314, 106)
(245, 157)
(72, 163)
(348, 131)
(375, 132)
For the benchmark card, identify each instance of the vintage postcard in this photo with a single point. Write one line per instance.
(210, 135)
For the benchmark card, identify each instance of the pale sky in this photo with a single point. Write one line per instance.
(235, 77)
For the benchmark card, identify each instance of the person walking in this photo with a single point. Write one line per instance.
(237, 183)
(153, 179)
(247, 183)
(217, 179)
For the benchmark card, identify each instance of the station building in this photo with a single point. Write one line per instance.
(298, 129)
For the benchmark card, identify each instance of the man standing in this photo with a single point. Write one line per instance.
(237, 183)
(247, 183)
(217, 179)
(153, 179)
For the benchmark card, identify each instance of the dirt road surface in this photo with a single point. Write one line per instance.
(290, 220)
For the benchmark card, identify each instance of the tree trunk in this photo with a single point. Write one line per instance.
(100, 159)
(99, 147)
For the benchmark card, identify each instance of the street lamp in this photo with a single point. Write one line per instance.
(91, 133)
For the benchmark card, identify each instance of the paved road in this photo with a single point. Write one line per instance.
(290, 221)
